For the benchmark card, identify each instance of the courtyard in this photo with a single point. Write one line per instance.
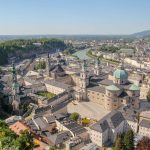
(88, 109)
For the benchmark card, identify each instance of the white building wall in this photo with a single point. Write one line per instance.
(98, 137)
(54, 89)
(131, 125)
(143, 131)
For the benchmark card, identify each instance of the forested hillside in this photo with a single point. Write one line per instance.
(23, 48)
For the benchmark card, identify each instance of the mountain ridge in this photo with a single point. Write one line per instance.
(145, 33)
(142, 34)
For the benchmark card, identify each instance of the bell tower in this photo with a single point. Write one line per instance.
(97, 68)
(48, 65)
(15, 90)
(84, 80)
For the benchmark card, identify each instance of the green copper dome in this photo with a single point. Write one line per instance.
(133, 87)
(120, 74)
(112, 88)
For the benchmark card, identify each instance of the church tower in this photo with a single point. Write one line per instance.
(97, 68)
(15, 90)
(48, 65)
(84, 80)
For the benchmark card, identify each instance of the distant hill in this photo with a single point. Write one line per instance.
(143, 34)
(28, 48)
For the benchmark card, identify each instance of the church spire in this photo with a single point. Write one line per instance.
(97, 62)
(83, 66)
(14, 73)
(97, 69)
(48, 65)
(121, 65)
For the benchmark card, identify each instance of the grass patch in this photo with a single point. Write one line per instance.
(46, 94)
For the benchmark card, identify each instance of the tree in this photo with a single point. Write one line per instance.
(40, 65)
(7, 137)
(74, 116)
(118, 143)
(129, 140)
(148, 96)
(24, 141)
(85, 121)
(3, 124)
(53, 148)
(144, 144)
(10, 141)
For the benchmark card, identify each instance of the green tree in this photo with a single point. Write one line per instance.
(74, 116)
(2, 124)
(118, 143)
(53, 148)
(129, 140)
(40, 65)
(24, 141)
(85, 121)
(148, 96)
(7, 137)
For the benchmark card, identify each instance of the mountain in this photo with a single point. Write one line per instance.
(143, 34)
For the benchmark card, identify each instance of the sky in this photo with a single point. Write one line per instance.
(23, 17)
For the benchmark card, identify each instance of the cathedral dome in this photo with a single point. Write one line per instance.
(112, 88)
(133, 87)
(120, 74)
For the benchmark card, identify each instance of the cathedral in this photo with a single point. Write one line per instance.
(112, 91)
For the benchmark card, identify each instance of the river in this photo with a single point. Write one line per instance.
(81, 54)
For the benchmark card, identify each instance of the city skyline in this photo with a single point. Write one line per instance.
(73, 17)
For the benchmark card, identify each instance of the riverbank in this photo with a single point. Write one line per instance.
(89, 54)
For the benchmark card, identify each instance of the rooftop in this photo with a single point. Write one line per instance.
(134, 87)
(112, 120)
(75, 128)
(145, 123)
(57, 84)
(97, 89)
(18, 126)
(40, 123)
(112, 88)
(59, 138)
